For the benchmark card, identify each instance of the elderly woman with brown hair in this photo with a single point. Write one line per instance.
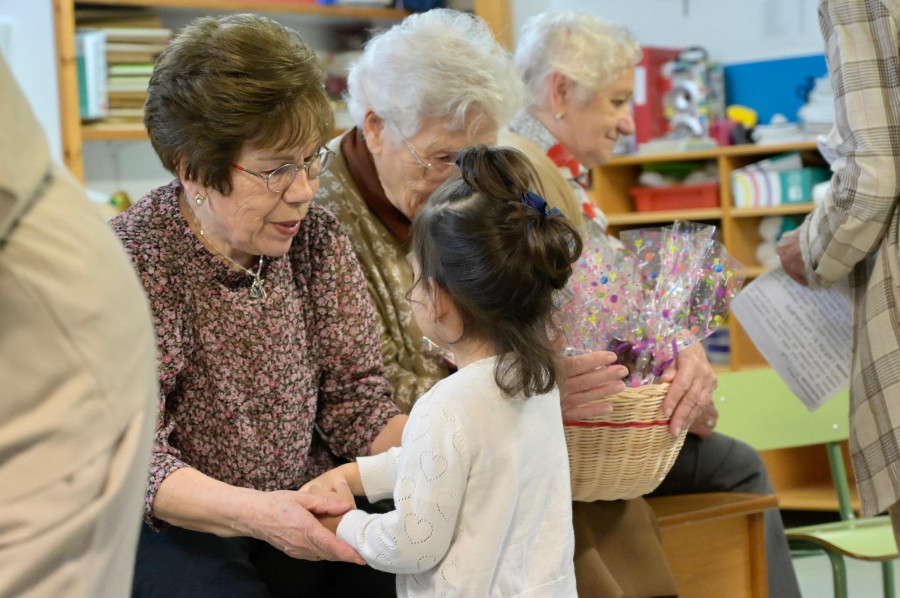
(423, 90)
(579, 74)
(267, 350)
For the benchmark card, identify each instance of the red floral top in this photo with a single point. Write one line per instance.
(259, 393)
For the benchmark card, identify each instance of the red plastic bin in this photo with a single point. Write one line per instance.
(676, 197)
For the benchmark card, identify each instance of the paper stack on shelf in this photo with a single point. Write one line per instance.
(775, 181)
(817, 114)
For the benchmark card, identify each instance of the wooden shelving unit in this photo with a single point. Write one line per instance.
(738, 227)
(74, 133)
(279, 6)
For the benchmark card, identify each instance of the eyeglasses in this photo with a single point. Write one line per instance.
(437, 170)
(281, 178)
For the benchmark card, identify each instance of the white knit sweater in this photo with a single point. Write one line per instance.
(481, 493)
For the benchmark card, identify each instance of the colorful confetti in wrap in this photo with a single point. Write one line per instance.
(669, 287)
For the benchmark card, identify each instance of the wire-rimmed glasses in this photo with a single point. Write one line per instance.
(437, 170)
(280, 179)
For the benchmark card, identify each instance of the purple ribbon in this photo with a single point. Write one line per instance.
(628, 353)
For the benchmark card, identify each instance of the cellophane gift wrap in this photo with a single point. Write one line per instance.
(665, 289)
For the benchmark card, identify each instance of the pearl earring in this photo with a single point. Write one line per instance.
(199, 199)
(558, 116)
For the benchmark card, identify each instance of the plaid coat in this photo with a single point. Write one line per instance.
(854, 233)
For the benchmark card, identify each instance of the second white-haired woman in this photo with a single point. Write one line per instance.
(578, 73)
(431, 85)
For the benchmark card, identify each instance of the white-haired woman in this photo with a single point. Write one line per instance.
(431, 85)
(578, 73)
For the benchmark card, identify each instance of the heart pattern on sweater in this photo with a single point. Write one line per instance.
(450, 573)
(444, 500)
(418, 530)
(457, 443)
(423, 427)
(404, 489)
(433, 465)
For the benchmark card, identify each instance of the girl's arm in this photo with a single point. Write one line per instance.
(332, 480)
(431, 472)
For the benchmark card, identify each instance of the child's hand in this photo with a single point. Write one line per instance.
(341, 492)
(347, 474)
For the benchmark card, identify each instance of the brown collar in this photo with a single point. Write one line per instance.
(362, 171)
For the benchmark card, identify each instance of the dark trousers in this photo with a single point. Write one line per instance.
(182, 563)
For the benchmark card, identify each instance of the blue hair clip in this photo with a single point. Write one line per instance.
(533, 200)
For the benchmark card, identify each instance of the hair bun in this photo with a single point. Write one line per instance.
(500, 172)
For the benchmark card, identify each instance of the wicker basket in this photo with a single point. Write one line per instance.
(623, 454)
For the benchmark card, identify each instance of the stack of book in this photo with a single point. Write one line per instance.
(116, 50)
(130, 54)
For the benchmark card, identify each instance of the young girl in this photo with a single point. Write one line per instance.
(482, 502)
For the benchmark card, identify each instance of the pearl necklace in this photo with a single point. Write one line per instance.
(257, 291)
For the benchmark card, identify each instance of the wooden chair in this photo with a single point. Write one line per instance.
(725, 528)
(757, 407)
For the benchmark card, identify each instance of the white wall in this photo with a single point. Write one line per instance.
(731, 30)
(27, 25)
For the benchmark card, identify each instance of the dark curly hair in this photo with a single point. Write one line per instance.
(226, 82)
(501, 261)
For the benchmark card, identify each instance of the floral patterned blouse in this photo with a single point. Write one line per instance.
(258, 393)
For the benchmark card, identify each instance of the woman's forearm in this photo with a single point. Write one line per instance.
(195, 501)
(283, 518)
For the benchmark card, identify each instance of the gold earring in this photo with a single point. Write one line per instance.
(558, 116)
(199, 199)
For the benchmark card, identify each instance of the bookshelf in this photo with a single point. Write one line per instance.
(74, 132)
(738, 227)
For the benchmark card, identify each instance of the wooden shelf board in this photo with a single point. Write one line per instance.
(663, 216)
(754, 271)
(713, 153)
(281, 6)
(785, 210)
(630, 159)
(774, 148)
(104, 131)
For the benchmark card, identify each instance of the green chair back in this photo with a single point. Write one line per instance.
(757, 407)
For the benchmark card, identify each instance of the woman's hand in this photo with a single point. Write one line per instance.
(788, 249)
(585, 379)
(692, 382)
(286, 519)
(340, 492)
(706, 423)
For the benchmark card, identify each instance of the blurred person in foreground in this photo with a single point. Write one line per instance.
(77, 364)
(578, 73)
